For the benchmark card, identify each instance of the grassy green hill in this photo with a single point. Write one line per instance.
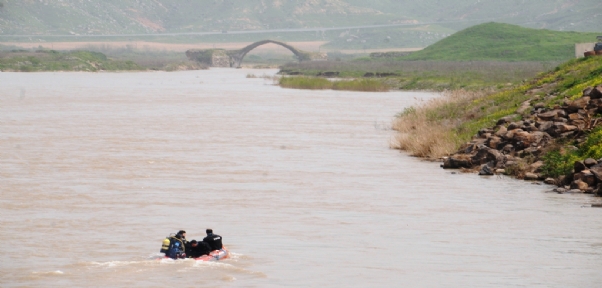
(505, 42)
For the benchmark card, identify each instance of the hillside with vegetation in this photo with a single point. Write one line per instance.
(547, 128)
(49, 60)
(490, 55)
(504, 42)
(76, 17)
(86, 61)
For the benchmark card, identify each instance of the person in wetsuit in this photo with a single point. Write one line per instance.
(214, 240)
(177, 246)
(196, 249)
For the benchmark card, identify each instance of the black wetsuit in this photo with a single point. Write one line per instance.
(214, 241)
(201, 249)
(189, 250)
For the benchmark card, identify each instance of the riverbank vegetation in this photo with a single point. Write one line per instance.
(425, 75)
(21, 60)
(462, 113)
(541, 129)
(50, 60)
(315, 83)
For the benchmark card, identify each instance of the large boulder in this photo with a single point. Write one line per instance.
(486, 155)
(510, 134)
(564, 180)
(577, 123)
(579, 166)
(508, 148)
(577, 104)
(486, 170)
(597, 171)
(540, 138)
(506, 119)
(531, 176)
(595, 103)
(525, 139)
(544, 126)
(457, 161)
(596, 93)
(536, 167)
(530, 128)
(483, 133)
(547, 116)
(515, 125)
(585, 176)
(578, 184)
(589, 162)
(501, 131)
(550, 181)
(561, 113)
(587, 91)
(563, 128)
(494, 142)
(575, 116)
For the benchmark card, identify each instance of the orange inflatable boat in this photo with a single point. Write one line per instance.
(215, 255)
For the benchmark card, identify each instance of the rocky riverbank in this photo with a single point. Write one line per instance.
(518, 144)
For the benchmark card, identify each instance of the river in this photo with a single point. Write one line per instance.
(97, 168)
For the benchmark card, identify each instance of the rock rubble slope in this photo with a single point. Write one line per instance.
(502, 149)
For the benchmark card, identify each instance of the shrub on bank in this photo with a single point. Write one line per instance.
(314, 83)
(560, 161)
(305, 83)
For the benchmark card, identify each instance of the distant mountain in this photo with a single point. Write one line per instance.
(504, 42)
(90, 17)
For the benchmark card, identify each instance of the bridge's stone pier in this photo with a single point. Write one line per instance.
(233, 58)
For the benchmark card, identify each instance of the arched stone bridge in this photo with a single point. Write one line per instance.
(233, 58)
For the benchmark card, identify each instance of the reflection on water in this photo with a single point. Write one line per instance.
(95, 169)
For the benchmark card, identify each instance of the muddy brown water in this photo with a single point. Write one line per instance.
(97, 168)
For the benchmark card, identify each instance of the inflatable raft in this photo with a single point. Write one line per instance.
(215, 255)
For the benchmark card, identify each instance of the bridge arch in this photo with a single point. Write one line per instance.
(239, 55)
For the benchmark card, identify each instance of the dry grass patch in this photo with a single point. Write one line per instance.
(428, 129)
